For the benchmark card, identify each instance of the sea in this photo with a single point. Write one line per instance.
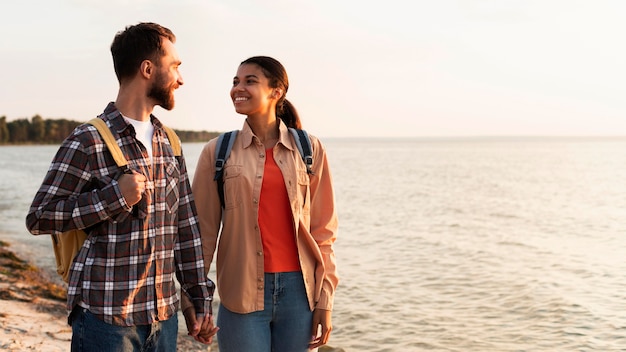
(448, 244)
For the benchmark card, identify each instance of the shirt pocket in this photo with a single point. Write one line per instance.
(172, 192)
(232, 186)
(304, 191)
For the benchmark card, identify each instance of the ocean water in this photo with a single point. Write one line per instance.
(461, 244)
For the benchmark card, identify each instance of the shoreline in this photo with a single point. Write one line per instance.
(33, 308)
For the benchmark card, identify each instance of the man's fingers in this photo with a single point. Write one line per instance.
(207, 331)
(132, 187)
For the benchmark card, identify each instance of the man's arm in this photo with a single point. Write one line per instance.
(70, 197)
(190, 268)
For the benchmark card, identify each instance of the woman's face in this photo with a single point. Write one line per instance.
(250, 93)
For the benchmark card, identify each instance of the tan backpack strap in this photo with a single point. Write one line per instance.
(174, 140)
(108, 138)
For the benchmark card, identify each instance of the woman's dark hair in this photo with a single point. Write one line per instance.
(135, 44)
(277, 76)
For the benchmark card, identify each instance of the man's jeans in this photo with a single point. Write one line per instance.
(283, 326)
(92, 334)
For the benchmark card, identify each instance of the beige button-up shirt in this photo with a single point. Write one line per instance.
(240, 275)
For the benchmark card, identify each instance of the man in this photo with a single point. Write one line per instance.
(142, 226)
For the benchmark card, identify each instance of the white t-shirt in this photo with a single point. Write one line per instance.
(144, 131)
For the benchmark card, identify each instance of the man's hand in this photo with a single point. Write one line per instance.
(202, 328)
(321, 321)
(132, 187)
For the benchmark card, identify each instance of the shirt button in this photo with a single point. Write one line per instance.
(255, 201)
(261, 156)
(260, 279)
(259, 176)
(259, 253)
(260, 287)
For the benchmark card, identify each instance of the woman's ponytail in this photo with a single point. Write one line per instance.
(288, 113)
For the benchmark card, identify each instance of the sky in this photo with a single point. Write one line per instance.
(357, 68)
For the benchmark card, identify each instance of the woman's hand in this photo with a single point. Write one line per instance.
(321, 321)
(201, 328)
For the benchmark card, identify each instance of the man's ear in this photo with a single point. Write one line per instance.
(146, 68)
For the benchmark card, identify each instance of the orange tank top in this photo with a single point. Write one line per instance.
(276, 221)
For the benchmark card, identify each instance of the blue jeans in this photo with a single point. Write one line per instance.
(92, 334)
(283, 326)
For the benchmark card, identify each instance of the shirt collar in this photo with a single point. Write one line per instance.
(118, 123)
(283, 138)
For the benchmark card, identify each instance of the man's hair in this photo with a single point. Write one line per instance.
(137, 43)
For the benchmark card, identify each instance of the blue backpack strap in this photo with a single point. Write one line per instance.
(304, 147)
(224, 145)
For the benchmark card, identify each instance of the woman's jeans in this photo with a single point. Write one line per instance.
(283, 326)
(92, 334)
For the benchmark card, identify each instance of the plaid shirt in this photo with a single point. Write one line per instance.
(124, 273)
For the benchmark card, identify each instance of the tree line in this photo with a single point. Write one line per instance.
(38, 130)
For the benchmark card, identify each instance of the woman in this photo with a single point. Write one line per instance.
(276, 273)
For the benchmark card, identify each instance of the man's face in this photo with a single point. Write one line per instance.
(167, 78)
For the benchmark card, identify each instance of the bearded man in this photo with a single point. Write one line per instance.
(141, 222)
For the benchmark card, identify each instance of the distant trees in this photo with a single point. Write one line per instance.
(4, 130)
(18, 131)
(38, 130)
(196, 136)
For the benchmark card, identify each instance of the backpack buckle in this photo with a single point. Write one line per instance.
(219, 164)
(308, 161)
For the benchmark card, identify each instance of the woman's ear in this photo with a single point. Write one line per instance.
(277, 93)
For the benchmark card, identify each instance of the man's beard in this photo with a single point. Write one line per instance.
(163, 94)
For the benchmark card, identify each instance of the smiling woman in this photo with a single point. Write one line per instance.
(276, 225)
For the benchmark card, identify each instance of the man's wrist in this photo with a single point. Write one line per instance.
(203, 306)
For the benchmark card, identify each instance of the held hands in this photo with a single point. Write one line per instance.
(321, 321)
(132, 187)
(201, 328)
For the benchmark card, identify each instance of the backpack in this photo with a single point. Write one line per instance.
(225, 143)
(67, 244)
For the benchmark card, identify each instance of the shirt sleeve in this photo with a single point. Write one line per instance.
(70, 197)
(191, 270)
(324, 222)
